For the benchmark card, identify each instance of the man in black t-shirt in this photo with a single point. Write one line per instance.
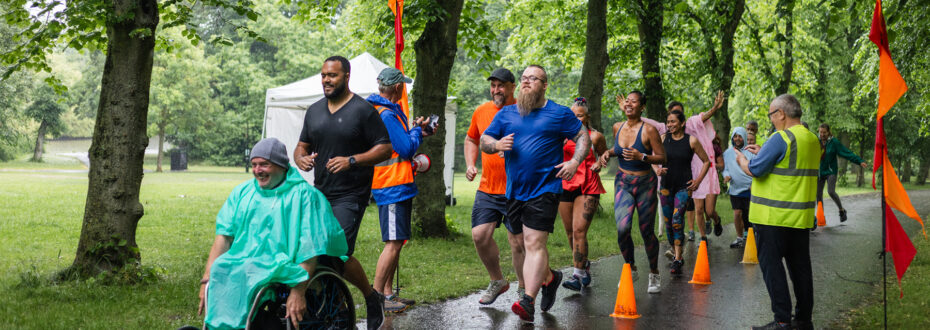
(343, 138)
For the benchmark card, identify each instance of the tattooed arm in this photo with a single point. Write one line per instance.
(582, 145)
(491, 145)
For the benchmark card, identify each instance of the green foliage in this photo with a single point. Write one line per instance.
(46, 109)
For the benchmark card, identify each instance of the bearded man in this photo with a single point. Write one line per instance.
(531, 133)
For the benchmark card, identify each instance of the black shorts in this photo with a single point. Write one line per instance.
(739, 203)
(690, 205)
(489, 208)
(537, 213)
(349, 211)
(568, 196)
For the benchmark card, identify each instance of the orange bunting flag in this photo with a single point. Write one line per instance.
(891, 87)
(397, 7)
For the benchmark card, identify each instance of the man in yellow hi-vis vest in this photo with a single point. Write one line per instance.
(393, 187)
(784, 195)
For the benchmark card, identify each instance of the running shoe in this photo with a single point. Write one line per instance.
(773, 326)
(675, 267)
(405, 301)
(738, 243)
(520, 292)
(691, 236)
(707, 225)
(669, 254)
(548, 291)
(802, 325)
(495, 288)
(573, 283)
(718, 227)
(842, 215)
(655, 283)
(524, 309)
(392, 306)
(374, 303)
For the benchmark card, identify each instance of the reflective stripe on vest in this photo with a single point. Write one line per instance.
(787, 196)
(394, 171)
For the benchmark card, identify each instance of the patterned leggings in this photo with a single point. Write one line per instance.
(639, 192)
(673, 208)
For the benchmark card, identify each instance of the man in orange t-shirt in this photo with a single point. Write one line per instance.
(490, 207)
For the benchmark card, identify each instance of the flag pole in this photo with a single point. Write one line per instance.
(884, 244)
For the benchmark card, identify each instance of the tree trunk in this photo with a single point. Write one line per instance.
(923, 171)
(788, 66)
(435, 54)
(649, 14)
(161, 146)
(906, 173)
(860, 173)
(112, 211)
(842, 163)
(40, 142)
(727, 72)
(596, 59)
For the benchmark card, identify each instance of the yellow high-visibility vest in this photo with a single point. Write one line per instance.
(787, 197)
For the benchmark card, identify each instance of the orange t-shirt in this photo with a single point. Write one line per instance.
(493, 176)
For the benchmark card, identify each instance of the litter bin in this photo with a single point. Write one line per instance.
(178, 160)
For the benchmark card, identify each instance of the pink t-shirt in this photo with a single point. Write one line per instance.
(704, 132)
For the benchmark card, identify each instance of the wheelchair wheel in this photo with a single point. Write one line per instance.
(329, 302)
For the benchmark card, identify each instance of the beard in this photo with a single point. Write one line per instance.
(498, 99)
(338, 91)
(738, 145)
(529, 100)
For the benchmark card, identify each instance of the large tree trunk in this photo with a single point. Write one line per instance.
(906, 173)
(596, 59)
(435, 54)
(40, 142)
(649, 14)
(788, 64)
(727, 71)
(161, 146)
(112, 211)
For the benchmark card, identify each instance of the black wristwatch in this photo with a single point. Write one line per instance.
(351, 161)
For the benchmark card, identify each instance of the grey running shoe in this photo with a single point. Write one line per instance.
(405, 301)
(392, 306)
(495, 288)
(738, 243)
(691, 235)
(655, 283)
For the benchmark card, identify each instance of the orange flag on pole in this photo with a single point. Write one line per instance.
(891, 87)
(397, 7)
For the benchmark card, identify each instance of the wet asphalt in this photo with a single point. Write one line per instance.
(844, 260)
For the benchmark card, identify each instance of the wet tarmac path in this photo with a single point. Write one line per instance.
(844, 260)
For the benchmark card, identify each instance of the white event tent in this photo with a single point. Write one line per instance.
(286, 105)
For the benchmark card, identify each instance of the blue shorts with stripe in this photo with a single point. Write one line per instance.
(395, 220)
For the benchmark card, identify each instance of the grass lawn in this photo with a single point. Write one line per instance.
(909, 312)
(42, 214)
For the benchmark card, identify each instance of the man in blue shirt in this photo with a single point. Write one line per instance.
(531, 134)
(740, 184)
(783, 198)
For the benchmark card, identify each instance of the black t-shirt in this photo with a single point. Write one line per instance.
(678, 154)
(353, 129)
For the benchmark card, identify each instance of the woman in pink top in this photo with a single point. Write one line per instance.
(705, 197)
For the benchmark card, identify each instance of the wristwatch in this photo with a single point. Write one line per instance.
(351, 161)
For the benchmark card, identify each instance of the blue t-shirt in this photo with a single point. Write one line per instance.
(537, 147)
(772, 152)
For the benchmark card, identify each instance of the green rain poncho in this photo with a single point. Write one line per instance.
(273, 231)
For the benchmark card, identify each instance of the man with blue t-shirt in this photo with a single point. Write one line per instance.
(531, 134)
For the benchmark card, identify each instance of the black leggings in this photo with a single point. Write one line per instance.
(830, 180)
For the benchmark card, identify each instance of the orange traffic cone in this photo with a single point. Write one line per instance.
(701, 266)
(821, 219)
(749, 253)
(625, 307)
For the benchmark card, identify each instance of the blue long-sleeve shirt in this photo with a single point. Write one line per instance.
(405, 143)
(740, 182)
(772, 152)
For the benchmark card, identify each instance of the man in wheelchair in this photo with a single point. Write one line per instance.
(273, 229)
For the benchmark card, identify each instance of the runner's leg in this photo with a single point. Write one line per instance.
(584, 209)
(483, 237)
(623, 216)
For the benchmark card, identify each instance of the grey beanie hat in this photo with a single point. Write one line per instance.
(271, 149)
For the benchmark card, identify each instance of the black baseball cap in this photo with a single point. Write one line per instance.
(503, 74)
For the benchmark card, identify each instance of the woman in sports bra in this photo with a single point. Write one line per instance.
(636, 183)
(580, 198)
(677, 182)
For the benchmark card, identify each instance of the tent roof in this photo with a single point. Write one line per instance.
(300, 94)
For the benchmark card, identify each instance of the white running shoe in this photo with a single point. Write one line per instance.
(655, 283)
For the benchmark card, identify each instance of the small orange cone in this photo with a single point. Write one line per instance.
(701, 266)
(749, 253)
(821, 219)
(625, 306)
